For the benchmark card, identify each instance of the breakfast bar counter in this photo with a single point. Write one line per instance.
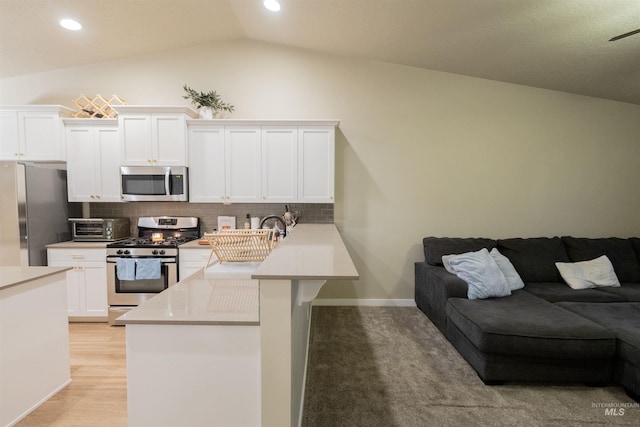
(233, 351)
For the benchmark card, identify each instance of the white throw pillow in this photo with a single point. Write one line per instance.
(483, 276)
(588, 274)
(513, 278)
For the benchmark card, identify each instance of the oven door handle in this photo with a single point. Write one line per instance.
(169, 260)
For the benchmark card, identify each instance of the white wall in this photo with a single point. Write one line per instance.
(418, 153)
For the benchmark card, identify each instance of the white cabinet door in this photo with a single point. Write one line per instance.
(316, 164)
(243, 163)
(9, 140)
(168, 139)
(86, 281)
(207, 177)
(135, 139)
(31, 135)
(94, 278)
(40, 136)
(108, 164)
(192, 260)
(74, 296)
(153, 139)
(279, 164)
(93, 163)
(81, 164)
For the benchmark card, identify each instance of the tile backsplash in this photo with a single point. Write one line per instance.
(318, 213)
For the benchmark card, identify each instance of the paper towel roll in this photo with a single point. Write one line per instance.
(255, 223)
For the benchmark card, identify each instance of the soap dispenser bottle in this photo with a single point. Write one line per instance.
(247, 222)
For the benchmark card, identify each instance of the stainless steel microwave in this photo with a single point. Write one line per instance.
(154, 183)
(99, 229)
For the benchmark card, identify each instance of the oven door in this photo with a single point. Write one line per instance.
(135, 292)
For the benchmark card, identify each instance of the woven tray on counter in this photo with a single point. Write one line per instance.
(240, 245)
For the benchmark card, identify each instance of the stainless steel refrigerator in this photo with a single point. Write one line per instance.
(33, 211)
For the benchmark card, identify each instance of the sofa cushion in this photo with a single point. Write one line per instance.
(630, 292)
(622, 319)
(436, 247)
(588, 274)
(480, 271)
(522, 324)
(635, 242)
(509, 271)
(534, 258)
(619, 251)
(556, 292)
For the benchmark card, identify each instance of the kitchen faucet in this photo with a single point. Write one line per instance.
(276, 217)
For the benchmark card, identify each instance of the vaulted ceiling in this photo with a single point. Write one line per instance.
(554, 44)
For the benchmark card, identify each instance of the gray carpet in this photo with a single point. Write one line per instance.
(383, 366)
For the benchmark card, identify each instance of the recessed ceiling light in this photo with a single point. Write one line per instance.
(70, 24)
(272, 5)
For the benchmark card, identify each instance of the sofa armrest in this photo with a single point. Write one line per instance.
(433, 287)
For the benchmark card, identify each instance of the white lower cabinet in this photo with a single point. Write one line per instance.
(86, 281)
(192, 259)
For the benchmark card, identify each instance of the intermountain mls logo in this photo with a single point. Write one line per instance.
(616, 409)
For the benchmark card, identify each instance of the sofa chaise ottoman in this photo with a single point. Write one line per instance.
(550, 329)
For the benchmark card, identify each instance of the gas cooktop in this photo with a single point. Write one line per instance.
(142, 242)
(161, 232)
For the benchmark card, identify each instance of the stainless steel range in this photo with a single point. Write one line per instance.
(141, 267)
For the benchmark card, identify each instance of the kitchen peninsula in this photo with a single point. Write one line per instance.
(34, 339)
(228, 351)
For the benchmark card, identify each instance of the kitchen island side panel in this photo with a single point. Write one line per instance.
(193, 375)
(34, 342)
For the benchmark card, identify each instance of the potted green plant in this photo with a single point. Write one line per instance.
(209, 104)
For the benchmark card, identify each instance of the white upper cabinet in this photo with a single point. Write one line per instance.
(316, 164)
(32, 133)
(207, 176)
(279, 164)
(153, 136)
(224, 164)
(242, 161)
(93, 160)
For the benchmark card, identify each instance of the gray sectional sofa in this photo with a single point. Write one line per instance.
(546, 331)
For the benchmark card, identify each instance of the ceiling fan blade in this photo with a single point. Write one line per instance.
(621, 36)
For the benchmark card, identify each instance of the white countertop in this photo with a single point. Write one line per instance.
(78, 245)
(194, 245)
(309, 252)
(12, 276)
(199, 301)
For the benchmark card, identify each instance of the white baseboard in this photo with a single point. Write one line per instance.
(367, 302)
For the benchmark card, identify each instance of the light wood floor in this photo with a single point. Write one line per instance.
(97, 395)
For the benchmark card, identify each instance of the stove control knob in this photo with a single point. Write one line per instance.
(162, 252)
(154, 252)
(127, 252)
(119, 252)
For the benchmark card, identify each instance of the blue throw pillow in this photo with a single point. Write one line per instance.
(480, 271)
(513, 278)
